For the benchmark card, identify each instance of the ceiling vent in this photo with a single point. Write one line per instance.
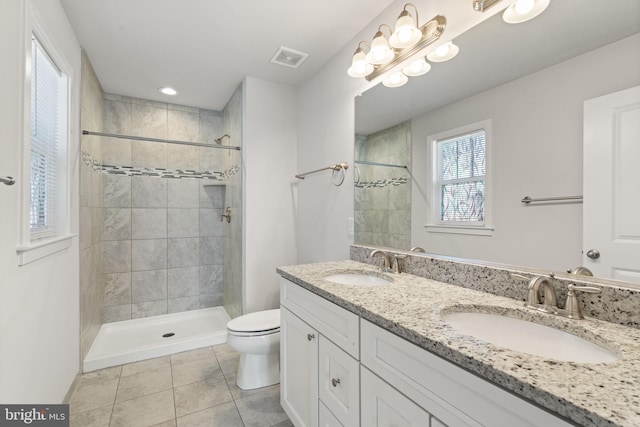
(288, 57)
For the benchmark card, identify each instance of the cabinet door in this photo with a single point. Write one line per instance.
(384, 406)
(339, 382)
(298, 370)
(327, 419)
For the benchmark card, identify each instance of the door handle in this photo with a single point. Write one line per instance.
(593, 253)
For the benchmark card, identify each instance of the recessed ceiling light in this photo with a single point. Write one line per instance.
(168, 91)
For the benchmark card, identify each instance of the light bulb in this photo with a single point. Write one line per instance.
(524, 10)
(168, 91)
(417, 68)
(523, 7)
(443, 52)
(395, 80)
(406, 32)
(360, 67)
(380, 52)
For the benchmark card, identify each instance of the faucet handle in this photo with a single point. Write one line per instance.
(396, 263)
(572, 306)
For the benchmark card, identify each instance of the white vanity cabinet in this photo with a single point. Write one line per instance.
(319, 350)
(338, 370)
(450, 395)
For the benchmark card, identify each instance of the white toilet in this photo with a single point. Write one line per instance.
(256, 336)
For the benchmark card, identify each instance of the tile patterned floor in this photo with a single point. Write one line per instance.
(191, 389)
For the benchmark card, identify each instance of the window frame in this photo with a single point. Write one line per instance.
(33, 247)
(434, 223)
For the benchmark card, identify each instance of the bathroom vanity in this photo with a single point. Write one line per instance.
(382, 354)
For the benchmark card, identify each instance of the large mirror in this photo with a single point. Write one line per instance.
(531, 81)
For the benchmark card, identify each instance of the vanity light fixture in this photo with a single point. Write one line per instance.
(484, 5)
(524, 10)
(401, 53)
(443, 52)
(168, 91)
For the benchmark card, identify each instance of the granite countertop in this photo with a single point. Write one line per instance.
(594, 394)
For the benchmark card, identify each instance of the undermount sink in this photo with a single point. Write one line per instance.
(357, 279)
(528, 337)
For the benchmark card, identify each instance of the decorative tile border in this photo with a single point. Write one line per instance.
(381, 183)
(158, 172)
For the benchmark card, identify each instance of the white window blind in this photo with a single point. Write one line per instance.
(48, 139)
(461, 174)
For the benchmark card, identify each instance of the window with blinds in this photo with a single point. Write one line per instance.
(49, 100)
(461, 175)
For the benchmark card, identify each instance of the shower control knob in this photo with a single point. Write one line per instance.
(593, 253)
(310, 336)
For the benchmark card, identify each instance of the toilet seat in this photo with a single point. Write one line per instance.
(255, 324)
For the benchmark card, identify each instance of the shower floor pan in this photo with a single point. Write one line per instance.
(139, 339)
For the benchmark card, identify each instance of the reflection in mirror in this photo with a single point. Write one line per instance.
(535, 100)
(383, 187)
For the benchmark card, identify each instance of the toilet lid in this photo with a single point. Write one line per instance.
(256, 322)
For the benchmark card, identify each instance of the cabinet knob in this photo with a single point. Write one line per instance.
(335, 382)
(310, 336)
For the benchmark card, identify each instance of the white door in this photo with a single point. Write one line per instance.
(611, 218)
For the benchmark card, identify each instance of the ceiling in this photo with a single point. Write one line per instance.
(494, 52)
(205, 48)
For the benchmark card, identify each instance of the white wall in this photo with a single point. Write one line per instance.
(269, 193)
(326, 135)
(39, 319)
(537, 152)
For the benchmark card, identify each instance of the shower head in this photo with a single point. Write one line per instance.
(219, 140)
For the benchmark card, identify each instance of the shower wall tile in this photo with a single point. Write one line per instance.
(177, 305)
(148, 254)
(210, 159)
(211, 250)
(116, 117)
(183, 282)
(183, 108)
(210, 223)
(149, 103)
(210, 279)
(183, 222)
(212, 196)
(117, 290)
(182, 157)
(148, 286)
(149, 192)
(115, 97)
(183, 125)
(148, 309)
(149, 223)
(398, 220)
(86, 217)
(116, 151)
(211, 126)
(183, 193)
(148, 154)
(165, 218)
(207, 301)
(116, 224)
(183, 252)
(116, 191)
(117, 313)
(116, 256)
(149, 120)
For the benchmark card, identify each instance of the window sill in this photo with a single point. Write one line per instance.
(459, 229)
(43, 248)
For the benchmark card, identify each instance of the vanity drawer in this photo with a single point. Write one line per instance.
(336, 323)
(449, 393)
(339, 382)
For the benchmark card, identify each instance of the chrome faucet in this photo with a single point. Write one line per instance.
(550, 304)
(385, 256)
